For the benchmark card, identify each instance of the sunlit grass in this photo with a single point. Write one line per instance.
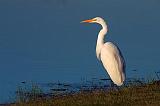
(145, 95)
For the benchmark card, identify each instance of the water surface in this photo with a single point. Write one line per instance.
(43, 40)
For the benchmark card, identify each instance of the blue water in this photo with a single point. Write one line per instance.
(43, 40)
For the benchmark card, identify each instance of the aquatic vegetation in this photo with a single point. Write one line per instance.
(132, 95)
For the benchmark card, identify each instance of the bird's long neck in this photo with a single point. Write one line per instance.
(100, 39)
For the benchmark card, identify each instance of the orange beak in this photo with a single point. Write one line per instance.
(88, 21)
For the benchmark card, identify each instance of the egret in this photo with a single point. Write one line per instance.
(109, 54)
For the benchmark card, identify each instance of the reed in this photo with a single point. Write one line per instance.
(141, 95)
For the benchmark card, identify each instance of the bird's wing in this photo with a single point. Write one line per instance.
(113, 62)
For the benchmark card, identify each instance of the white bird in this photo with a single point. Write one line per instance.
(109, 54)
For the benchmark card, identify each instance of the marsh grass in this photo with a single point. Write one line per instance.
(144, 95)
(24, 95)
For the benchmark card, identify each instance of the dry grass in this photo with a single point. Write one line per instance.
(148, 95)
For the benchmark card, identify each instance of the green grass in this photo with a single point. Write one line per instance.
(147, 95)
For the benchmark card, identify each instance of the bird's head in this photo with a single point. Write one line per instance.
(98, 20)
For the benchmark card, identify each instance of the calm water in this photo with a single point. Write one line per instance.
(43, 40)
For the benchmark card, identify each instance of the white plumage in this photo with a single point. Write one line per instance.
(109, 54)
(113, 63)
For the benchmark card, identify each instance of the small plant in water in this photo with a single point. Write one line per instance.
(24, 95)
